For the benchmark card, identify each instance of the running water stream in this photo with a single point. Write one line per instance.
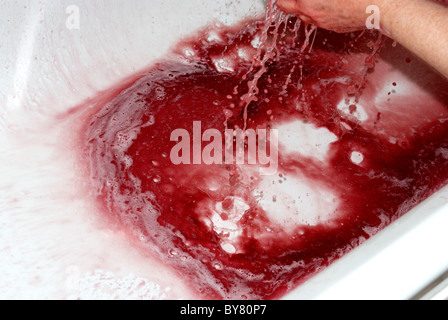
(276, 26)
(267, 49)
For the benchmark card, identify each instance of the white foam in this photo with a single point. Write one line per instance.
(357, 157)
(53, 240)
(360, 114)
(226, 222)
(306, 139)
(224, 64)
(245, 54)
(103, 285)
(256, 42)
(213, 37)
(295, 202)
(442, 152)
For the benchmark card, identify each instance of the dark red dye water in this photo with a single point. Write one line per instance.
(171, 208)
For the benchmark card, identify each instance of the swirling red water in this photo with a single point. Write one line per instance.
(231, 233)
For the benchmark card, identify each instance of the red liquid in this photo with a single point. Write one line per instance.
(173, 208)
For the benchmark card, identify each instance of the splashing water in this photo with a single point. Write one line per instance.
(268, 50)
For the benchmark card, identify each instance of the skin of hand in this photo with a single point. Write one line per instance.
(336, 15)
(419, 25)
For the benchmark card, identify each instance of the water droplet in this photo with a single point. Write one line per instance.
(353, 108)
(229, 248)
(157, 179)
(228, 113)
(352, 90)
(357, 157)
(218, 266)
